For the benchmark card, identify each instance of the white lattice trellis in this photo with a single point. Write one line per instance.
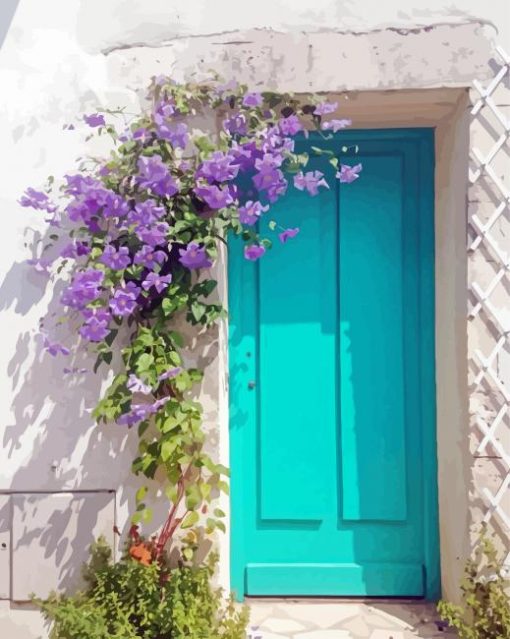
(489, 248)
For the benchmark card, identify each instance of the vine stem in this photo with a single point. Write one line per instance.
(172, 521)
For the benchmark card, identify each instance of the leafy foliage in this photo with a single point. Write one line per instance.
(486, 596)
(138, 233)
(129, 599)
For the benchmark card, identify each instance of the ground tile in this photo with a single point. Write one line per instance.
(324, 634)
(322, 615)
(259, 612)
(358, 627)
(282, 625)
(383, 622)
(264, 634)
(386, 634)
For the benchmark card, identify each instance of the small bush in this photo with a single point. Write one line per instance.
(485, 613)
(132, 599)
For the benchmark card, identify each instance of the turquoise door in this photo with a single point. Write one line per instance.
(332, 429)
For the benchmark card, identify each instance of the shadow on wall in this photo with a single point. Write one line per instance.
(7, 11)
(66, 479)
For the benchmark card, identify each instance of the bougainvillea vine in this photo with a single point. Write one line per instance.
(138, 233)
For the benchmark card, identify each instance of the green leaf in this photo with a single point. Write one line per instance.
(193, 497)
(190, 520)
(197, 310)
(140, 493)
(167, 448)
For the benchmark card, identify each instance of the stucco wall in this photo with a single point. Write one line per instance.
(61, 59)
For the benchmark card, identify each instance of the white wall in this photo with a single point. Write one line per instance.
(61, 59)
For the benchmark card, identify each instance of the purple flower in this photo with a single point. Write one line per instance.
(236, 124)
(136, 385)
(194, 257)
(252, 100)
(176, 134)
(335, 125)
(219, 167)
(348, 174)
(310, 181)
(159, 282)
(94, 329)
(54, 348)
(146, 213)
(164, 111)
(114, 206)
(250, 212)
(127, 419)
(254, 252)
(214, 196)
(153, 235)
(324, 108)
(287, 234)
(169, 374)
(94, 119)
(149, 257)
(271, 181)
(36, 200)
(84, 288)
(123, 302)
(154, 175)
(99, 312)
(116, 259)
(75, 249)
(142, 135)
(290, 125)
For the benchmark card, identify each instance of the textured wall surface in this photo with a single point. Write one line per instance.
(59, 60)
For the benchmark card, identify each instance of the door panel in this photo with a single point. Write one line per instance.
(328, 380)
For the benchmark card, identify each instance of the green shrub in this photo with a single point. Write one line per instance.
(128, 599)
(485, 613)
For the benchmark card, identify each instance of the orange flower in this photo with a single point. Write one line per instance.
(140, 553)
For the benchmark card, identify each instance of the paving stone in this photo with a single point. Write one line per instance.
(282, 625)
(324, 634)
(397, 615)
(358, 627)
(376, 620)
(264, 634)
(386, 634)
(322, 615)
(259, 612)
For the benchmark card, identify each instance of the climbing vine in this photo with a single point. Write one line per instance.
(138, 234)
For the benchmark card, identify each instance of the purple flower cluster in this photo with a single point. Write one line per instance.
(194, 256)
(155, 176)
(310, 181)
(254, 252)
(140, 412)
(216, 197)
(91, 201)
(149, 257)
(123, 301)
(219, 167)
(250, 213)
(85, 288)
(288, 234)
(269, 177)
(94, 120)
(348, 174)
(37, 200)
(154, 280)
(335, 125)
(117, 259)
